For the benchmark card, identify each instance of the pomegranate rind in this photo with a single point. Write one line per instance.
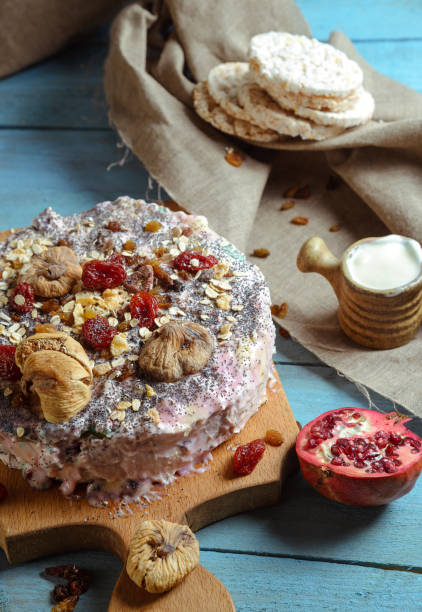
(352, 486)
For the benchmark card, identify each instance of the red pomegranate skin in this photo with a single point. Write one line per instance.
(355, 486)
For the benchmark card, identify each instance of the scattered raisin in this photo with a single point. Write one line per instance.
(303, 193)
(15, 316)
(113, 226)
(45, 328)
(187, 231)
(153, 226)
(17, 400)
(247, 456)
(123, 326)
(233, 157)
(290, 192)
(260, 253)
(299, 220)
(279, 311)
(287, 205)
(63, 242)
(274, 437)
(283, 332)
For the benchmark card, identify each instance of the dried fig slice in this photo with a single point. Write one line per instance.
(53, 273)
(176, 350)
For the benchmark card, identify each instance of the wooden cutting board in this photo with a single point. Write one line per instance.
(39, 523)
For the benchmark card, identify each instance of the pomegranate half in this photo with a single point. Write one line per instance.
(360, 457)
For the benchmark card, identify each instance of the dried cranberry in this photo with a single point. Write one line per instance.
(100, 275)
(247, 456)
(98, 332)
(3, 492)
(22, 298)
(144, 307)
(8, 368)
(201, 262)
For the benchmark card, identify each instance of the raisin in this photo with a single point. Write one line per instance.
(260, 253)
(280, 310)
(63, 242)
(247, 456)
(129, 245)
(98, 332)
(288, 205)
(274, 437)
(192, 261)
(144, 307)
(113, 226)
(22, 298)
(3, 492)
(99, 275)
(8, 368)
(233, 157)
(153, 226)
(299, 220)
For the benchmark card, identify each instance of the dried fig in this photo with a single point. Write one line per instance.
(161, 554)
(176, 350)
(53, 273)
(55, 374)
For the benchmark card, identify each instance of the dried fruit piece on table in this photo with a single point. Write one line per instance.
(260, 253)
(176, 350)
(8, 368)
(303, 193)
(193, 261)
(280, 310)
(3, 492)
(22, 297)
(273, 437)
(144, 307)
(359, 457)
(284, 333)
(98, 332)
(129, 245)
(99, 275)
(53, 273)
(247, 456)
(299, 220)
(233, 157)
(287, 205)
(161, 554)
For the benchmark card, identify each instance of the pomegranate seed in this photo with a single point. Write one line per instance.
(336, 450)
(312, 443)
(358, 464)
(389, 465)
(337, 461)
(397, 461)
(412, 442)
(396, 439)
(356, 415)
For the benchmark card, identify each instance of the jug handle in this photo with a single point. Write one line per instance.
(315, 256)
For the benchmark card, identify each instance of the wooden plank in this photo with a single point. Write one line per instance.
(69, 91)
(371, 19)
(257, 584)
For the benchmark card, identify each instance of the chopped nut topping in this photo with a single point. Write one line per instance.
(260, 253)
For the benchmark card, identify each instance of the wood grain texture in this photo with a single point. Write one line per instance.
(35, 523)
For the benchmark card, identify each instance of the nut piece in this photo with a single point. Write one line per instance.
(161, 554)
(176, 350)
(56, 375)
(53, 273)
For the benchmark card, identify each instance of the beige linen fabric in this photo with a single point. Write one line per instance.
(149, 96)
(30, 30)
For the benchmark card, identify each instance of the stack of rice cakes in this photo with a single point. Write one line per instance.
(293, 86)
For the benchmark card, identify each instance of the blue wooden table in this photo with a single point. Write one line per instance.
(306, 553)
